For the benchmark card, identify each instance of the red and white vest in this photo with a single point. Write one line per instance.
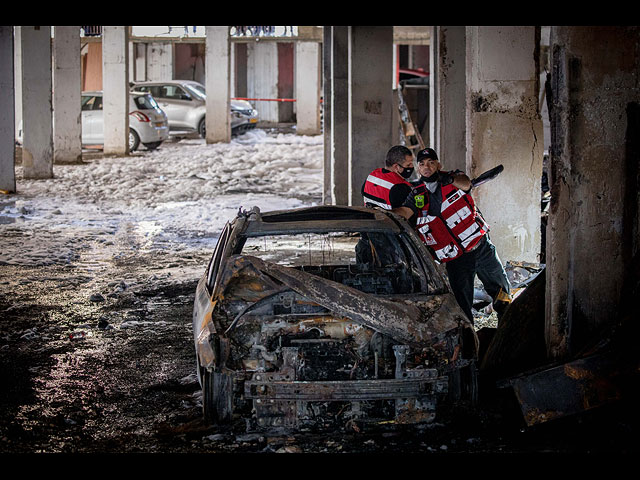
(457, 229)
(378, 185)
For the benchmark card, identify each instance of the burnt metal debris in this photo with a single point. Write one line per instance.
(356, 324)
(325, 344)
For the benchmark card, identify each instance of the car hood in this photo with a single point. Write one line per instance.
(413, 322)
(241, 105)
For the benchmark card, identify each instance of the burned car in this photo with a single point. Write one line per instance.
(322, 316)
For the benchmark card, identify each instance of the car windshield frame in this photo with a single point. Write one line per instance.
(195, 91)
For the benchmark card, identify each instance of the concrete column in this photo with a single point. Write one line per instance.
(339, 107)
(370, 103)
(450, 109)
(67, 124)
(434, 86)
(592, 234)
(262, 78)
(327, 90)
(308, 88)
(37, 146)
(504, 127)
(17, 79)
(217, 67)
(7, 111)
(115, 85)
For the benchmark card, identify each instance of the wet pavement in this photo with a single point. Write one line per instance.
(97, 355)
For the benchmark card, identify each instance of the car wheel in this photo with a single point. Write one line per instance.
(217, 397)
(134, 140)
(152, 145)
(202, 128)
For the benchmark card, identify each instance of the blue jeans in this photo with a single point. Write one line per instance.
(484, 262)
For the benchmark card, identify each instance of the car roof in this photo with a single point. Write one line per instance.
(99, 92)
(319, 219)
(168, 82)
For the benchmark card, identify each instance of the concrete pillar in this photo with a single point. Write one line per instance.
(592, 234)
(370, 103)
(449, 134)
(262, 78)
(326, 109)
(504, 127)
(217, 68)
(67, 124)
(7, 111)
(37, 146)
(308, 88)
(17, 79)
(338, 103)
(115, 86)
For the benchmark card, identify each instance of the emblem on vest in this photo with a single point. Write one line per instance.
(419, 199)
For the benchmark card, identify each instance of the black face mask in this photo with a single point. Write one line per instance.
(432, 178)
(406, 172)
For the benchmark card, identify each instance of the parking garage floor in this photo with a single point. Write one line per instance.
(98, 269)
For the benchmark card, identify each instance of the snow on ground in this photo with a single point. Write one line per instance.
(177, 197)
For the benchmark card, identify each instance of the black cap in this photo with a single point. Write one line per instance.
(427, 153)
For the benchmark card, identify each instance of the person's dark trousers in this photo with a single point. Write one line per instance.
(484, 262)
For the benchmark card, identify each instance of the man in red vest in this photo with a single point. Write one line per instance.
(387, 187)
(449, 223)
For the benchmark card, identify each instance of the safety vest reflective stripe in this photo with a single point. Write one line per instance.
(379, 181)
(479, 232)
(447, 202)
(456, 230)
(458, 216)
(380, 204)
(377, 187)
(450, 251)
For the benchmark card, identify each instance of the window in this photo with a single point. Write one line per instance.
(175, 92)
(373, 262)
(91, 103)
(145, 102)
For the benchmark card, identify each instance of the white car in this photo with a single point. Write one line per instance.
(184, 101)
(148, 124)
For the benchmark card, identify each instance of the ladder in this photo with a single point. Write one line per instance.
(412, 138)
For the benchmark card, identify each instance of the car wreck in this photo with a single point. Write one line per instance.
(324, 316)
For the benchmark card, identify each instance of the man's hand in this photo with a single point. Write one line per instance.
(457, 178)
(445, 178)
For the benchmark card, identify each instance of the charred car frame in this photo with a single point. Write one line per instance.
(321, 316)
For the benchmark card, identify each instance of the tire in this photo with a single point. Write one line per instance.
(134, 140)
(152, 145)
(217, 397)
(202, 128)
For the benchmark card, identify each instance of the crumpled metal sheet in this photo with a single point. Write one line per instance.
(567, 389)
(408, 322)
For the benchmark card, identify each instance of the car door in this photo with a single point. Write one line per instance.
(92, 120)
(176, 103)
(203, 301)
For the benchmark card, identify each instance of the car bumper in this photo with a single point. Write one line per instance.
(153, 133)
(278, 398)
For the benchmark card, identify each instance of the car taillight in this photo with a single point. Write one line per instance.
(140, 116)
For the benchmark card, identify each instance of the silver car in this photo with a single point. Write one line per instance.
(148, 124)
(184, 101)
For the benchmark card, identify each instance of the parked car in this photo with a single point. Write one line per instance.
(184, 101)
(147, 122)
(320, 316)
